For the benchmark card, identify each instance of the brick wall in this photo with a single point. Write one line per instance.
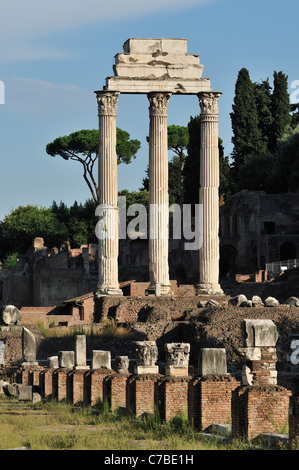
(210, 399)
(294, 421)
(257, 410)
(142, 393)
(173, 395)
(204, 400)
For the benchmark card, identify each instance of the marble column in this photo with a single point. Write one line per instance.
(158, 195)
(108, 195)
(209, 195)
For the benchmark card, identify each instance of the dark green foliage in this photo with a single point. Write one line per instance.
(287, 161)
(22, 225)
(263, 105)
(192, 166)
(280, 107)
(247, 136)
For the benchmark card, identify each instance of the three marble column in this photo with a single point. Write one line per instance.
(158, 194)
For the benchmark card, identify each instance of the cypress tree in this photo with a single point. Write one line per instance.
(280, 108)
(263, 99)
(247, 136)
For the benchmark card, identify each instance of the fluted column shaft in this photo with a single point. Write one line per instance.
(158, 194)
(108, 195)
(209, 194)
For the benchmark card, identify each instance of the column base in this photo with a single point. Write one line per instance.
(159, 290)
(209, 289)
(102, 291)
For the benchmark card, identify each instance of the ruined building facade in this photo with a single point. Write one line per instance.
(255, 229)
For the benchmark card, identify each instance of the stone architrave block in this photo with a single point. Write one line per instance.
(101, 359)
(212, 361)
(66, 359)
(259, 332)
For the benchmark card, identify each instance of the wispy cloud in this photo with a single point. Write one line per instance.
(23, 23)
(36, 97)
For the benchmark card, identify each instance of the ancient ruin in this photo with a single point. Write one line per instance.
(159, 68)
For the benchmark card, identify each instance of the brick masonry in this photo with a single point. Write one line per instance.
(210, 399)
(257, 410)
(252, 410)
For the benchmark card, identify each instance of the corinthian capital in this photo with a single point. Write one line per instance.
(107, 102)
(208, 102)
(158, 102)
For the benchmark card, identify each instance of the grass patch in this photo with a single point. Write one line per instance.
(61, 426)
(109, 329)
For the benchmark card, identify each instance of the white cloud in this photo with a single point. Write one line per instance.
(22, 23)
(36, 97)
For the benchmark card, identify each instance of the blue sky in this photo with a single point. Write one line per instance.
(54, 55)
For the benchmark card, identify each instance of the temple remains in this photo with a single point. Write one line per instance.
(160, 68)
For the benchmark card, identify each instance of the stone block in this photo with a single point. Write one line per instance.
(237, 300)
(212, 361)
(122, 364)
(24, 392)
(80, 352)
(271, 302)
(10, 315)
(53, 362)
(146, 369)
(158, 46)
(257, 333)
(177, 358)
(28, 346)
(66, 359)
(2, 353)
(101, 359)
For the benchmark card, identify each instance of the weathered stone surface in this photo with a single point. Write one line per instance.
(177, 358)
(101, 359)
(66, 359)
(293, 301)
(80, 352)
(2, 352)
(36, 397)
(146, 357)
(257, 301)
(247, 303)
(3, 384)
(122, 364)
(53, 362)
(157, 65)
(271, 302)
(10, 390)
(259, 332)
(237, 300)
(10, 315)
(212, 361)
(24, 392)
(28, 346)
(250, 353)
